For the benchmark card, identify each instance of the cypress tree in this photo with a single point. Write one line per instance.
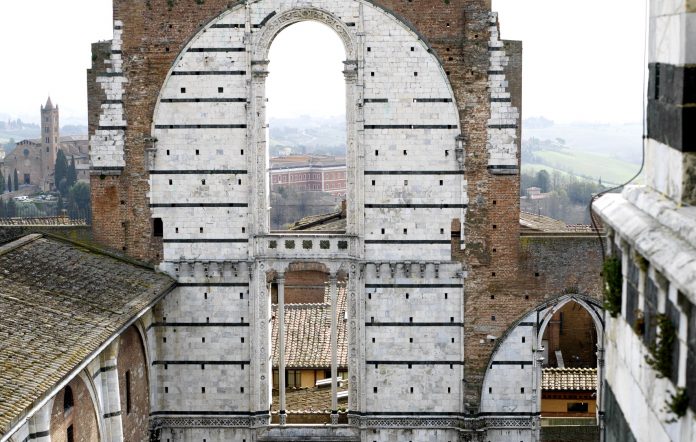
(16, 180)
(61, 173)
(2, 183)
(72, 173)
(9, 183)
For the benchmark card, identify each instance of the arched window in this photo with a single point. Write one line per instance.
(306, 109)
(68, 401)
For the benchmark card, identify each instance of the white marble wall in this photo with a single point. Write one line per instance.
(414, 132)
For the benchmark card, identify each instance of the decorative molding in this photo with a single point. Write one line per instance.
(203, 422)
(295, 15)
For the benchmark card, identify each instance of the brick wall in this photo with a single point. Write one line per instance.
(572, 331)
(135, 391)
(81, 416)
(303, 287)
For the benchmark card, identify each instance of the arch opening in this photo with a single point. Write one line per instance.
(307, 129)
(570, 345)
(74, 413)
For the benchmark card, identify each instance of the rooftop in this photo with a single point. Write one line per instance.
(307, 400)
(308, 334)
(569, 379)
(60, 303)
(296, 161)
(531, 223)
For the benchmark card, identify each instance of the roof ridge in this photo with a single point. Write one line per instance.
(26, 239)
(101, 251)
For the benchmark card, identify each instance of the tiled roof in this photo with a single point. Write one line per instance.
(296, 161)
(326, 222)
(569, 379)
(540, 223)
(308, 400)
(60, 302)
(308, 334)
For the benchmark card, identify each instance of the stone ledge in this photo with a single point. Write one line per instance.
(656, 241)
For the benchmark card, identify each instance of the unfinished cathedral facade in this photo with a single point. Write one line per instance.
(445, 303)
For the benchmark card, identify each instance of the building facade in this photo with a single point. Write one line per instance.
(35, 160)
(309, 173)
(651, 335)
(180, 178)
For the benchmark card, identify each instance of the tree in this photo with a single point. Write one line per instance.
(16, 180)
(61, 173)
(10, 209)
(9, 183)
(2, 183)
(543, 180)
(78, 200)
(72, 173)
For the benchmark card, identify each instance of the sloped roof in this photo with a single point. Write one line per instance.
(325, 222)
(569, 379)
(49, 105)
(308, 400)
(308, 334)
(540, 223)
(60, 302)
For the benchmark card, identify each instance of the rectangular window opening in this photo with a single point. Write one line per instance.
(128, 392)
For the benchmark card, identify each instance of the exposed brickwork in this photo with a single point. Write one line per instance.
(95, 94)
(81, 416)
(135, 394)
(572, 332)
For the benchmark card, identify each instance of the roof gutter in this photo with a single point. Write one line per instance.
(56, 389)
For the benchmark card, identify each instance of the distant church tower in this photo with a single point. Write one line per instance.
(49, 138)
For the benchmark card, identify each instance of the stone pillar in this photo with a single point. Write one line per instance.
(600, 388)
(280, 280)
(257, 162)
(334, 346)
(354, 159)
(40, 424)
(111, 396)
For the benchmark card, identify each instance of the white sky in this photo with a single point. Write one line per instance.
(583, 61)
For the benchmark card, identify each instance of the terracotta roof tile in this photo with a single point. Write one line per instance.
(308, 334)
(574, 379)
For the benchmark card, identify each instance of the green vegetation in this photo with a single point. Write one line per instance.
(566, 197)
(556, 155)
(590, 165)
(660, 354)
(677, 404)
(65, 174)
(613, 282)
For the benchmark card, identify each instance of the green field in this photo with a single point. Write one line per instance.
(594, 166)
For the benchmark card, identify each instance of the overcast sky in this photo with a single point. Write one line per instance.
(582, 61)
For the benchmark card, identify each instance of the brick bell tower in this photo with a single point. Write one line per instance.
(50, 135)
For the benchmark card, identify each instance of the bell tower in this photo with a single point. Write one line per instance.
(50, 134)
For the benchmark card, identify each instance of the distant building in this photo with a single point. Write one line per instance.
(35, 160)
(310, 172)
